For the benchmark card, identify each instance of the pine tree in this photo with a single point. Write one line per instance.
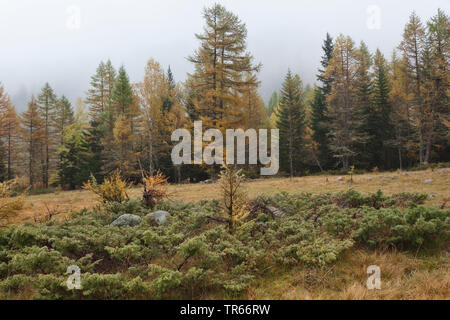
(291, 123)
(319, 107)
(33, 136)
(47, 104)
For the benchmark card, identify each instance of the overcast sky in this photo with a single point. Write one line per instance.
(43, 40)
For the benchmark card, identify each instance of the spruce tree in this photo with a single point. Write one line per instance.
(273, 102)
(383, 131)
(122, 97)
(291, 123)
(319, 107)
(369, 149)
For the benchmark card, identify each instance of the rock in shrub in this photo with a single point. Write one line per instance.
(160, 216)
(127, 220)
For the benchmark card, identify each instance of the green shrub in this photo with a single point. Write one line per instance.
(194, 254)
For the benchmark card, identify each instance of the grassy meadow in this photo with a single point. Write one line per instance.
(389, 182)
(331, 231)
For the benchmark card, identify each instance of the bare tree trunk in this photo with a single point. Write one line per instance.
(150, 145)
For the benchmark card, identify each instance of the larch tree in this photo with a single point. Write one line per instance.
(291, 123)
(344, 115)
(399, 96)
(156, 94)
(10, 135)
(412, 48)
(4, 103)
(34, 136)
(120, 152)
(46, 105)
(63, 116)
(222, 66)
(98, 97)
(73, 167)
(436, 61)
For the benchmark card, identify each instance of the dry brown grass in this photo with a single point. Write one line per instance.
(403, 276)
(68, 201)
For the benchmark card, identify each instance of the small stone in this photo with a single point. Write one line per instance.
(339, 179)
(276, 212)
(369, 178)
(444, 170)
(404, 174)
(160, 216)
(431, 196)
(393, 177)
(428, 181)
(127, 220)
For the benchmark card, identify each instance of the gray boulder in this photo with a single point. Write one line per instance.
(127, 220)
(443, 170)
(428, 181)
(160, 216)
(339, 179)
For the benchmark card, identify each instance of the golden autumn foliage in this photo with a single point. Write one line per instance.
(234, 196)
(155, 189)
(113, 189)
(9, 206)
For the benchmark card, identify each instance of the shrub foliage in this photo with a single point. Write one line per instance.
(192, 255)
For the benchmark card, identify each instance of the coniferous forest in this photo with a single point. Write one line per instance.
(92, 205)
(365, 110)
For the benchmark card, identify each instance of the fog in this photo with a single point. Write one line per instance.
(47, 41)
